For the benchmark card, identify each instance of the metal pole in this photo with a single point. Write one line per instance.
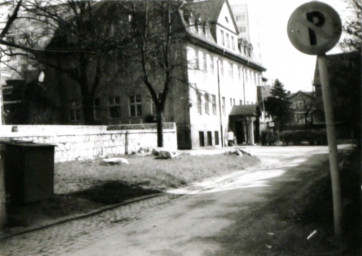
(219, 98)
(333, 152)
(220, 111)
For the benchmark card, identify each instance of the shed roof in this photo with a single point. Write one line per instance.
(245, 110)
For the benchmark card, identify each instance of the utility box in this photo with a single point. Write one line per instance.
(29, 171)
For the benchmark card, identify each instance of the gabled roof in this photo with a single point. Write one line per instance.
(211, 9)
(308, 94)
(245, 110)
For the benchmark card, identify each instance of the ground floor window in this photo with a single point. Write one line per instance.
(114, 107)
(96, 108)
(135, 105)
(209, 138)
(201, 139)
(74, 110)
(216, 134)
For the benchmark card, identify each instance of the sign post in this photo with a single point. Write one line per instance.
(314, 28)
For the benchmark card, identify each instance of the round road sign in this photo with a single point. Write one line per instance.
(314, 28)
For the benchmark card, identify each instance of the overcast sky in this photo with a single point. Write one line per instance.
(293, 68)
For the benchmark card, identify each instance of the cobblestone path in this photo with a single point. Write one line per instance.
(74, 234)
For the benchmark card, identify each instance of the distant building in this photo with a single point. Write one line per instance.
(247, 21)
(302, 108)
(344, 73)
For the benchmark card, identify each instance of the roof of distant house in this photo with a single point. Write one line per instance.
(309, 94)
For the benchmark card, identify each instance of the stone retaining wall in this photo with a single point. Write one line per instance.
(76, 142)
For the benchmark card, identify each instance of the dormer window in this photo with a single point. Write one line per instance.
(207, 29)
(199, 25)
(226, 19)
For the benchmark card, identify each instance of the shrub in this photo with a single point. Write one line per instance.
(298, 137)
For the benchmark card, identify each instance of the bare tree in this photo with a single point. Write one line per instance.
(84, 36)
(76, 38)
(157, 30)
(353, 27)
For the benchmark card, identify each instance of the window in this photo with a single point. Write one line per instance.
(201, 139)
(242, 29)
(96, 108)
(221, 67)
(74, 110)
(209, 138)
(193, 56)
(223, 105)
(226, 19)
(292, 106)
(212, 67)
(240, 17)
(114, 107)
(227, 40)
(231, 102)
(240, 102)
(153, 109)
(204, 56)
(199, 103)
(222, 38)
(300, 104)
(216, 134)
(197, 59)
(207, 103)
(231, 71)
(213, 101)
(232, 43)
(239, 73)
(299, 118)
(135, 105)
(201, 60)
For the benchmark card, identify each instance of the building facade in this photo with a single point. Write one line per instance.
(344, 74)
(302, 108)
(218, 77)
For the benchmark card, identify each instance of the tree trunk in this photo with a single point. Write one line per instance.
(159, 128)
(87, 107)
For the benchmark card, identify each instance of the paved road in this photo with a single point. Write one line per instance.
(184, 226)
(162, 226)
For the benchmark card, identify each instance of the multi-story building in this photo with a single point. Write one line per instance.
(218, 91)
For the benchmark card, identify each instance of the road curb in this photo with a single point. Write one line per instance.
(7, 235)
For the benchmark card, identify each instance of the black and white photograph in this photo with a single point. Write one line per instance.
(180, 128)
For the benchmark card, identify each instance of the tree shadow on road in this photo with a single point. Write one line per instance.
(112, 192)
